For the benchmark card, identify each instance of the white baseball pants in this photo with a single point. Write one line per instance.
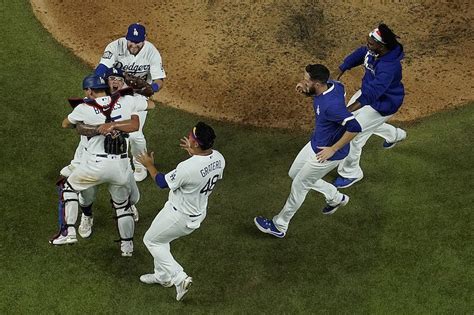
(93, 171)
(306, 172)
(372, 123)
(79, 152)
(137, 139)
(386, 131)
(167, 226)
(88, 196)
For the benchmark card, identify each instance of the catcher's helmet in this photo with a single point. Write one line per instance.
(94, 81)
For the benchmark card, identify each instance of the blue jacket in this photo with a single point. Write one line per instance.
(381, 85)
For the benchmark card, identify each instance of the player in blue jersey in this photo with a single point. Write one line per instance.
(380, 97)
(334, 128)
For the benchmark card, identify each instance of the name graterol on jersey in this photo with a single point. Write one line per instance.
(211, 167)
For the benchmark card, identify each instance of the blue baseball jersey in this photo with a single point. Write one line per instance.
(382, 86)
(331, 116)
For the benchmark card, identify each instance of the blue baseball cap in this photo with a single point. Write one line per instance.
(136, 33)
(116, 72)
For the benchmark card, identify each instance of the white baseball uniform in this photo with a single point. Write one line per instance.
(190, 185)
(97, 167)
(139, 106)
(148, 65)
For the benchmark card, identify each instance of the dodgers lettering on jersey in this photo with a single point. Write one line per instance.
(193, 180)
(147, 64)
(331, 115)
(125, 107)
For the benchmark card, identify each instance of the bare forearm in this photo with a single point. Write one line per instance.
(354, 106)
(87, 130)
(345, 139)
(126, 125)
(152, 170)
(338, 74)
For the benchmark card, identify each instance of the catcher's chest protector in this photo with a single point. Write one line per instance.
(114, 143)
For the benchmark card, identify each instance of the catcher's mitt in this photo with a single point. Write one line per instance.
(138, 84)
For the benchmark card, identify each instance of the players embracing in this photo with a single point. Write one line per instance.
(135, 55)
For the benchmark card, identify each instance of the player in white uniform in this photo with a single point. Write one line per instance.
(137, 56)
(102, 162)
(116, 82)
(190, 185)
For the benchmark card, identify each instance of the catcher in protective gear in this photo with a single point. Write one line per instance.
(139, 85)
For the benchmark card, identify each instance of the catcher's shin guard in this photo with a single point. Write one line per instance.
(124, 218)
(67, 207)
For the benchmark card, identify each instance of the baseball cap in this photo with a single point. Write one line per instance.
(136, 33)
(116, 72)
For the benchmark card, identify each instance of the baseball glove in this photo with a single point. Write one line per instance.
(138, 84)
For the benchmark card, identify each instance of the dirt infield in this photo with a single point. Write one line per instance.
(239, 61)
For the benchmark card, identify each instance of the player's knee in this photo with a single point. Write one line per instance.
(134, 196)
(69, 194)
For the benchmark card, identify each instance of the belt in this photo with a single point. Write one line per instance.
(113, 156)
(190, 215)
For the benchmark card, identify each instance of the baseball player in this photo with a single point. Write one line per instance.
(115, 80)
(104, 160)
(190, 184)
(135, 55)
(380, 97)
(334, 128)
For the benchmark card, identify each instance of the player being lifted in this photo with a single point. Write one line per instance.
(334, 128)
(135, 55)
(190, 185)
(105, 160)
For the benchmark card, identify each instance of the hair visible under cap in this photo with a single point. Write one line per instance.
(389, 36)
(318, 72)
(205, 135)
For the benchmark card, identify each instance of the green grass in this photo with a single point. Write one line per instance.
(403, 245)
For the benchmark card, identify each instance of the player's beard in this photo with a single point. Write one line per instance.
(134, 49)
(310, 92)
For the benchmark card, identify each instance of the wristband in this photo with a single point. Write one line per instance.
(155, 87)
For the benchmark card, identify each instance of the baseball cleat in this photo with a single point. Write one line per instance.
(342, 182)
(140, 172)
(127, 248)
(150, 278)
(64, 240)
(85, 228)
(135, 213)
(183, 288)
(67, 170)
(267, 226)
(331, 209)
(403, 136)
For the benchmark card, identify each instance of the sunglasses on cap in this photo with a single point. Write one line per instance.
(114, 78)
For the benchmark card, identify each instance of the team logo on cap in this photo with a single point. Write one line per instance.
(135, 32)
